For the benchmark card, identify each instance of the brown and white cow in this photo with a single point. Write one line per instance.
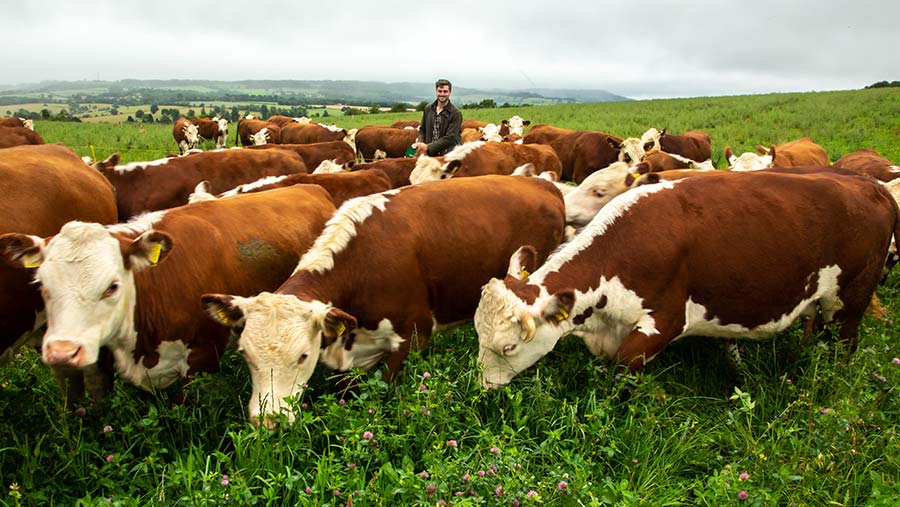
(306, 133)
(693, 144)
(314, 154)
(481, 158)
(800, 152)
(18, 136)
(598, 189)
(543, 133)
(580, 152)
(402, 124)
(43, 187)
(869, 162)
(752, 274)
(186, 134)
(17, 122)
(213, 129)
(397, 169)
(168, 182)
(100, 291)
(391, 142)
(282, 120)
(360, 294)
(253, 132)
(341, 186)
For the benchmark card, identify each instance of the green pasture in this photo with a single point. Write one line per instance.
(796, 426)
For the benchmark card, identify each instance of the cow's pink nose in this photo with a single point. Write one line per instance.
(63, 352)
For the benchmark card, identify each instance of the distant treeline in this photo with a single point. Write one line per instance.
(884, 84)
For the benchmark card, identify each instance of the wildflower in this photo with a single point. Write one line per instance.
(107, 429)
(498, 491)
(430, 489)
(110, 458)
(426, 375)
(467, 478)
(515, 502)
(337, 492)
(494, 450)
(367, 435)
(442, 502)
(304, 405)
(895, 361)
(492, 469)
(744, 476)
(481, 473)
(880, 377)
(743, 495)
(617, 378)
(531, 493)
(423, 474)
(81, 411)
(224, 480)
(562, 486)
(352, 466)
(451, 443)
(342, 401)
(825, 411)
(308, 490)
(422, 387)
(372, 411)
(458, 493)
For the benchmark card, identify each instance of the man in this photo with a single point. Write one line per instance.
(441, 124)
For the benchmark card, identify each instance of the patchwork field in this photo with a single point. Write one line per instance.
(796, 426)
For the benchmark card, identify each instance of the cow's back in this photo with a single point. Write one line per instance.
(305, 133)
(803, 151)
(18, 136)
(392, 141)
(869, 162)
(397, 169)
(504, 158)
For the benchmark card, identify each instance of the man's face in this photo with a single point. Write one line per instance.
(443, 94)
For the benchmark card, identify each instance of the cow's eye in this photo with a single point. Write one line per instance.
(113, 287)
(302, 358)
(507, 349)
(598, 193)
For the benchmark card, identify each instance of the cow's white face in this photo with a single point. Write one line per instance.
(426, 169)
(517, 125)
(223, 126)
(651, 136)
(511, 336)
(328, 167)
(491, 133)
(28, 123)
(260, 137)
(631, 151)
(600, 187)
(281, 341)
(191, 135)
(87, 278)
(749, 162)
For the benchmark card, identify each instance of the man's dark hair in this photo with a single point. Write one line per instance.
(443, 82)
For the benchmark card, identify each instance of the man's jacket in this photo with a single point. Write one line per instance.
(450, 130)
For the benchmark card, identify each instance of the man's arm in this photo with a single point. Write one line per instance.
(451, 138)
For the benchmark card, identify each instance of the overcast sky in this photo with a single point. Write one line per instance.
(639, 49)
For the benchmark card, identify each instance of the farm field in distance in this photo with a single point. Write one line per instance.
(799, 425)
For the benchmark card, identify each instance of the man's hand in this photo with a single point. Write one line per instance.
(421, 148)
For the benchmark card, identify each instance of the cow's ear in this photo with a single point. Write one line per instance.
(729, 156)
(223, 309)
(505, 123)
(110, 162)
(453, 166)
(649, 145)
(663, 132)
(558, 307)
(772, 152)
(21, 251)
(648, 179)
(336, 324)
(147, 250)
(523, 262)
(526, 123)
(762, 150)
(616, 145)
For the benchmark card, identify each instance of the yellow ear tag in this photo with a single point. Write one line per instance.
(341, 328)
(562, 315)
(153, 256)
(223, 316)
(690, 165)
(31, 261)
(636, 175)
(525, 274)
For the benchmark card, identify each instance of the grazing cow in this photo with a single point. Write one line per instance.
(341, 186)
(693, 144)
(43, 187)
(802, 151)
(248, 128)
(361, 294)
(580, 152)
(397, 169)
(514, 126)
(752, 274)
(545, 134)
(186, 134)
(18, 136)
(100, 293)
(17, 122)
(282, 120)
(166, 183)
(481, 158)
(657, 161)
(306, 133)
(870, 163)
(402, 124)
(314, 154)
(585, 200)
(213, 129)
(392, 142)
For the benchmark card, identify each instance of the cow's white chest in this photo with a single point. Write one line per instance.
(172, 366)
(699, 321)
(369, 346)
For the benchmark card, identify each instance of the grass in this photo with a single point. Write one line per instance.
(807, 425)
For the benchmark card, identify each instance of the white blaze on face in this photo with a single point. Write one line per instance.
(281, 342)
(516, 125)
(261, 137)
(491, 133)
(631, 151)
(191, 135)
(508, 341)
(29, 124)
(600, 187)
(750, 162)
(426, 169)
(369, 347)
(651, 135)
(328, 167)
(88, 292)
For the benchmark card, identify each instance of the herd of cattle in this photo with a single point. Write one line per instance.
(321, 245)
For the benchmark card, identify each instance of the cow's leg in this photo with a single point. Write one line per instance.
(638, 348)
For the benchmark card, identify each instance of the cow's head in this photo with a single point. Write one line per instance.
(517, 125)
(631, 150)
(27, 123)
(191, 134)
(261, 137)
(491, 133)
(223, 125)
(329, 167)
(87, 282)
(512, 334)
(426, 169)
(749, 161)
(282, 339)
(583, 203)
